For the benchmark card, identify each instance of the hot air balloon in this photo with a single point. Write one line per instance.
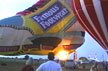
(93, 16)
(49, 25)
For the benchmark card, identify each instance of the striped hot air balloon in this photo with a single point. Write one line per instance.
(93, 16)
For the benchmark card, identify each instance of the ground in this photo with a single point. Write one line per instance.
(17, 64)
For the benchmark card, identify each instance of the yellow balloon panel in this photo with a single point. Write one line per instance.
(51, 18)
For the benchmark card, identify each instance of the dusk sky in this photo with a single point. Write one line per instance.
(89, 49)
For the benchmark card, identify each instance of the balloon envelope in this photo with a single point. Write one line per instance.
(93, 16)
(41, 29)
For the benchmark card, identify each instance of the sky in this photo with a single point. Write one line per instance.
(89, 49)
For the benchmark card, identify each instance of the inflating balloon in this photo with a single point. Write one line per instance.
(93, 16)
(48, 25)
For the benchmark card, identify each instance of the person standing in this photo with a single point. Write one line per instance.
(50, 65)
(28, 66)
